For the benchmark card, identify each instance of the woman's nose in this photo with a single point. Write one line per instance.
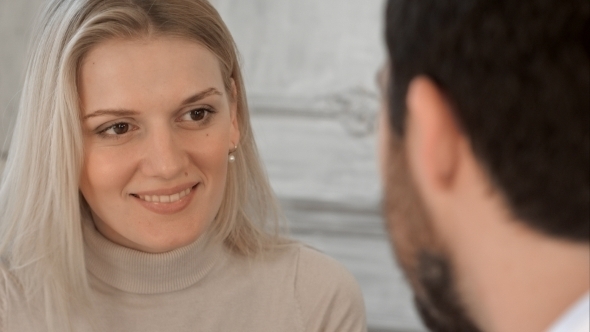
(164, 156)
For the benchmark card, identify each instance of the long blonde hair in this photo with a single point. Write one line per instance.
(40, 205)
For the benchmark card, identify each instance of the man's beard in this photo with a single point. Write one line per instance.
(419, 251)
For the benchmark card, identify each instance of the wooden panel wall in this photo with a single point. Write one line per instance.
(16, 18)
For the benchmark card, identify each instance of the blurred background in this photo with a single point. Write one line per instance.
(309, 67)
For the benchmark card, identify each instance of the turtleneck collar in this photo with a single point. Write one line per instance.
(139, 272)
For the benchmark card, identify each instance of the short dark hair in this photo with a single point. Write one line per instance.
(517, 73)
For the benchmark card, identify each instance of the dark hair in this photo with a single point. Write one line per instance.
(518, 75)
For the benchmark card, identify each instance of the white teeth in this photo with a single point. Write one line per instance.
(167, 198)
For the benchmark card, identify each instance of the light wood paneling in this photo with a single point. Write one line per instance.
(16, 18)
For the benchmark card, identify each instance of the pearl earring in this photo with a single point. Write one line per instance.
(232, 158)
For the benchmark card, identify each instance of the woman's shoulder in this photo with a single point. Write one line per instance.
(10, 287)
(9, 283)
(4, 282)
(313, 268)
(328, 295)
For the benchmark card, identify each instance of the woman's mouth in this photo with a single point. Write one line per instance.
(167, 201)
(165, 198)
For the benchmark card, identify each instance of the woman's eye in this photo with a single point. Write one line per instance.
(116, 130)
(198, 115)
(119, 128)
(201, 114)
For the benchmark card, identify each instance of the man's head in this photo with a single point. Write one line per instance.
(486, 116)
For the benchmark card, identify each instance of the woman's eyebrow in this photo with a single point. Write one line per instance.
(124, 112)
(200, 95)
(114, 112)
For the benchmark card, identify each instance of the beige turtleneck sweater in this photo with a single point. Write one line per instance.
(205, 287)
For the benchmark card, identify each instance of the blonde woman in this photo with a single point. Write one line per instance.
(133, 198)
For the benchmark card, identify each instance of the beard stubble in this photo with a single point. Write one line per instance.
(419, 250)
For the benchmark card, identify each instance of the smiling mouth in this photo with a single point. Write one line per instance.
(165, 198)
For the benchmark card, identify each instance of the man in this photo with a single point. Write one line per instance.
(485, 150)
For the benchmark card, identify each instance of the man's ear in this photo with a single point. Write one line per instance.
(233, 107)
(433, 136)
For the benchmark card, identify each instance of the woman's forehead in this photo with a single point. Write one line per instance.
(150, 55)
(118, 70)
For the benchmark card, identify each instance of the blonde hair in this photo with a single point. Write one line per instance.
(40, 206)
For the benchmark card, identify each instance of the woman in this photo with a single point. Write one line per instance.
(133, 197)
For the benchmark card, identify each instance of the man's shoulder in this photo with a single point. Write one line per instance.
(576, 319)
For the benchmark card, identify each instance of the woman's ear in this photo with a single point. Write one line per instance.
(233, 108)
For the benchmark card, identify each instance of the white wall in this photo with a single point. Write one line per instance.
(15, 21)
(305, 51)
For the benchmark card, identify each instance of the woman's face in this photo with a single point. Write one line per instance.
(158, 126)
